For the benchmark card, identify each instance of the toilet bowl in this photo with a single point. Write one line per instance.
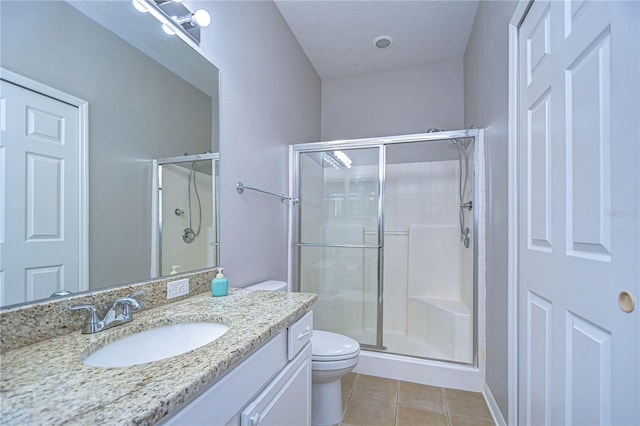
(332, 357)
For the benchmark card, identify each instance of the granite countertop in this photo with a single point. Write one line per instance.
(47, 383)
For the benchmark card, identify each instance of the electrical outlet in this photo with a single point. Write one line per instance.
(177, 288)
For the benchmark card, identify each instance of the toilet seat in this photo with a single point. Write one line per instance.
(330, 347)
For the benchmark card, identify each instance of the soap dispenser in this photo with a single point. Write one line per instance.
(220, 284)
(174, 269)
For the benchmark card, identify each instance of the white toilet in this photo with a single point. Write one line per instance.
(333, 356)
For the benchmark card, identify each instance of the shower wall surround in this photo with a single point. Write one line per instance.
(426, 266)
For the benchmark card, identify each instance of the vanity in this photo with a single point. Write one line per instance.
(258, 372)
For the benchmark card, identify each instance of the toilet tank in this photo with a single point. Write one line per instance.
(269, 285)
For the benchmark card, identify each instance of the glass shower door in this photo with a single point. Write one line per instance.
(339, 239)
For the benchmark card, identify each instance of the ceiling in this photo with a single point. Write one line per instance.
(338, 35)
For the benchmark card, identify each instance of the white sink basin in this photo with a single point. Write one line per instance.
(156, 344)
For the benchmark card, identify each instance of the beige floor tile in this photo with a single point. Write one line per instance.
(467, 404)
(410, 416)
(421, 396)
(368, 412)
(469, 421)
(345, 400)
(378, 388)
(348, 382)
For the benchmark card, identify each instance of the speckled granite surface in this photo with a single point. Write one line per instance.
(47, 383)
(33, 322)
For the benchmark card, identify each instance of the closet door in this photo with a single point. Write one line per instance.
(578, 213)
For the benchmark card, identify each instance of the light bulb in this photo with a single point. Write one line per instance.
(140, 7)
(201, 17)
(167, 29)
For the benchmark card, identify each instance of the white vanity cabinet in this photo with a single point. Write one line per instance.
(287, 400)
(271, 387)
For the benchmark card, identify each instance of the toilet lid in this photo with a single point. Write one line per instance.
(327, 346)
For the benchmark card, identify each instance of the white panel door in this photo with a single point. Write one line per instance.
(579, 221)
(40, 238)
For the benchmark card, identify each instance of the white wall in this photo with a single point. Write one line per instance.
(486, 105)
(403, 101)
(269, 98)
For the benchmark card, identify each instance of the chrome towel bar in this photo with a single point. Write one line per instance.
(240, 187)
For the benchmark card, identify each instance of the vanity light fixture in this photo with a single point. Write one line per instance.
(140, 6)
(167, 29)
(175, 17)
(200, 17)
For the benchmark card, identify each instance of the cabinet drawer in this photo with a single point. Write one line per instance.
(300, 333)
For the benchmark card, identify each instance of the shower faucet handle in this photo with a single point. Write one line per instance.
(468, 205)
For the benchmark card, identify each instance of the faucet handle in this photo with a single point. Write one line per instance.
(126, 304)
(92, 322)
(135, 293)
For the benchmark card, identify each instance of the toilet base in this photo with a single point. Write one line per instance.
(326, 403)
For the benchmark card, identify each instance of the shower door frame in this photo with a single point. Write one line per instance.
(381, 143)
(295, 235)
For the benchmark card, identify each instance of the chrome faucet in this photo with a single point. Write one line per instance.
(116, 313)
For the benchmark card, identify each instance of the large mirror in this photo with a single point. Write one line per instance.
(104, 95)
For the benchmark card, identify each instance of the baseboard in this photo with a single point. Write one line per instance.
(498, 419)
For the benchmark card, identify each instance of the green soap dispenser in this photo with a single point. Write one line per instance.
(219, 285)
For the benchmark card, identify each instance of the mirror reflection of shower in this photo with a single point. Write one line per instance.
(188, 234)
(185, 190)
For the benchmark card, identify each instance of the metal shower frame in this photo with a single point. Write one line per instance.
(381, 143)
(187, 158)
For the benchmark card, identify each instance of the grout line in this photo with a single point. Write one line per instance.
(446, 406)
(397, 400)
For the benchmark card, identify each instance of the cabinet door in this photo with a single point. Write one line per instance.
(221, 403)
(287, 400)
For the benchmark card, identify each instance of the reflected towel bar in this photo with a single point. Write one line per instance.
(240, 187)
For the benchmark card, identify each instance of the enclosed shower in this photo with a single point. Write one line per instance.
(386, 233)
(185, 214)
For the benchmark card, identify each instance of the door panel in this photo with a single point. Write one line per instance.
(578, 222)
(41, 196)
(588, 138)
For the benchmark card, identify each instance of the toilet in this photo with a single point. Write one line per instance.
(333, 356)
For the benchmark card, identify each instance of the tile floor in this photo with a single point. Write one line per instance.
(373, 401)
